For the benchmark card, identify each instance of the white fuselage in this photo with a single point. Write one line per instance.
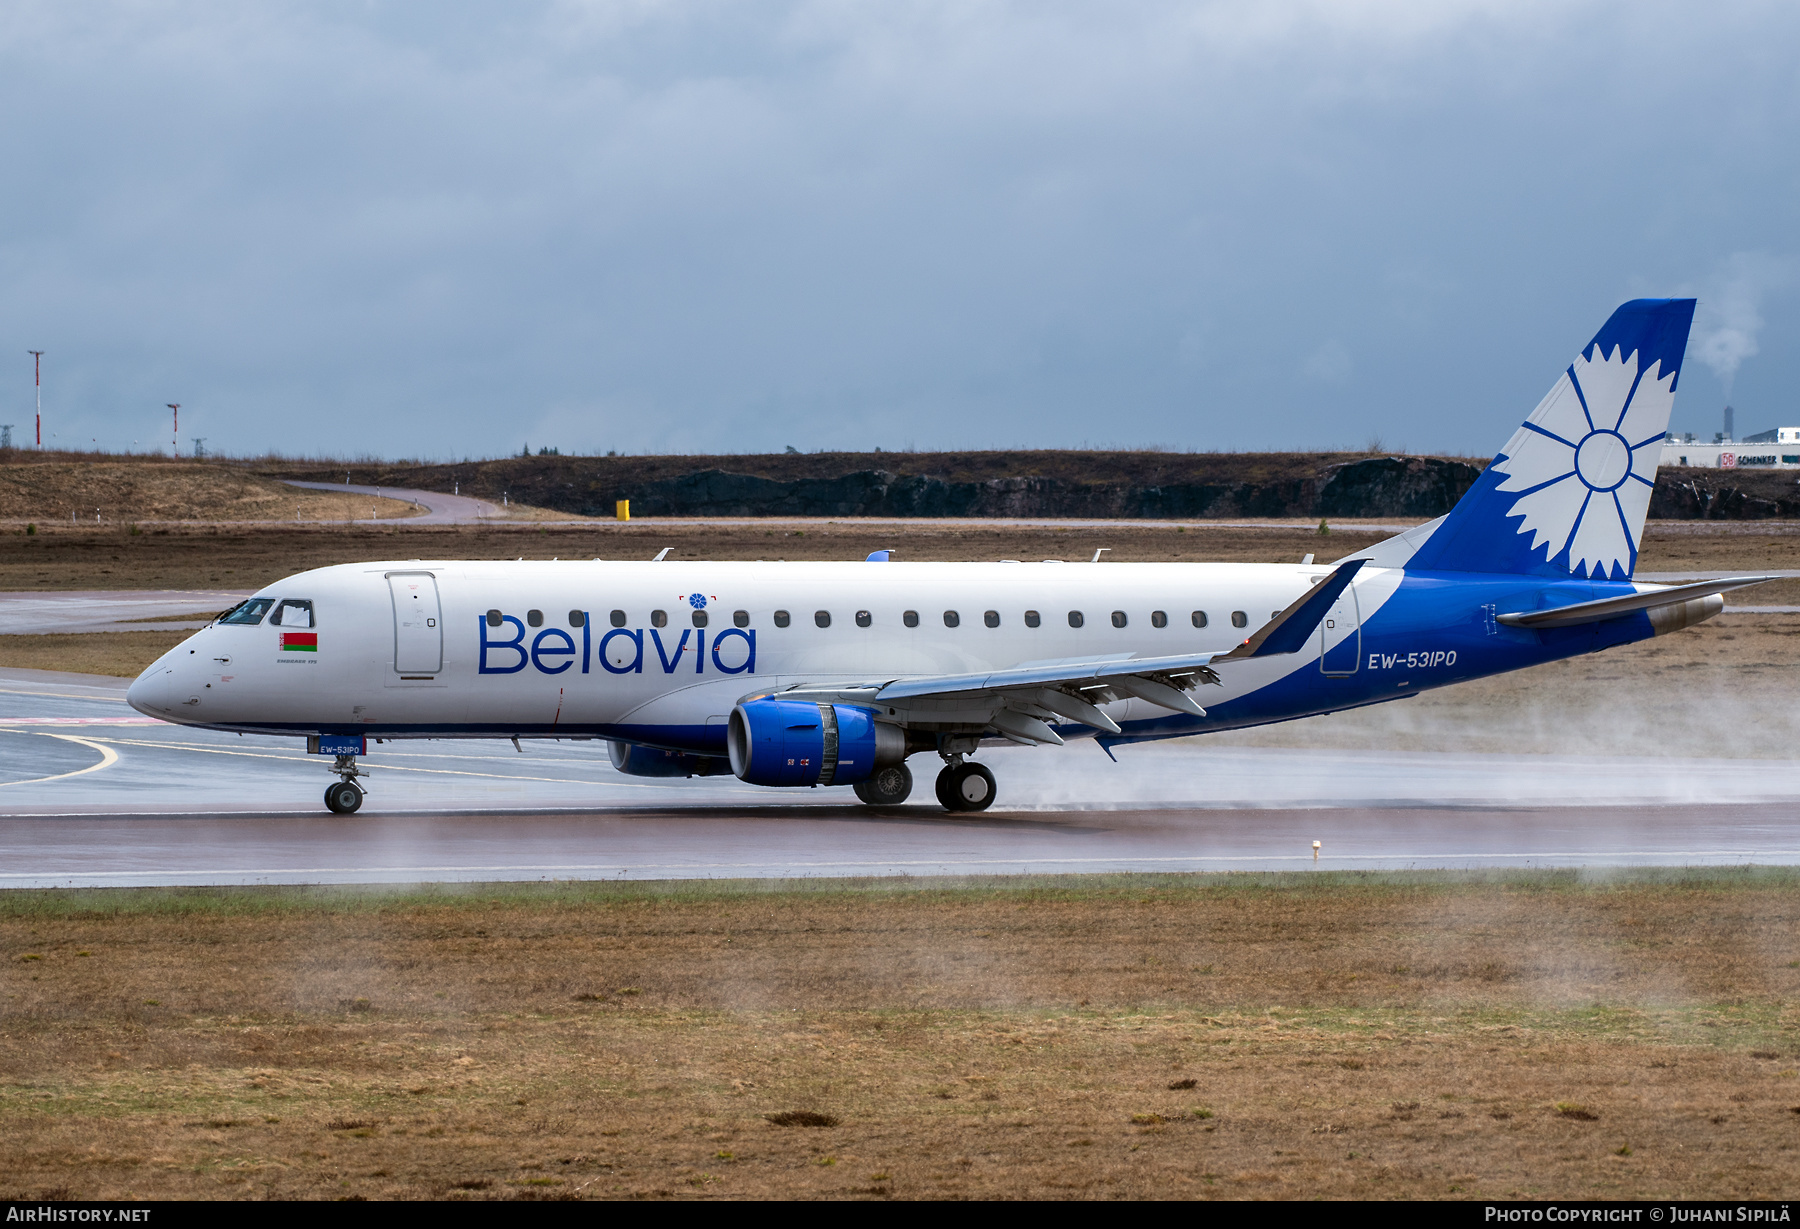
(604, 649)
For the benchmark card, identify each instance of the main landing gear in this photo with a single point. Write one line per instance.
(887, 788)
(345, 796)
(965, 786)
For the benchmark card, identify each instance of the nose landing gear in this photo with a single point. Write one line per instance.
(345, 796)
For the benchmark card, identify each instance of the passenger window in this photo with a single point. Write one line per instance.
(535, 618)
(951, 618)
(659, 618)
(1075, 619)
(248, 613)
(991, 618)
(863, 618)
(910, 618)
(494, 617)
(1031, 618)
(740, 618)
(292, 613)
(618, 618)
(1159, 618)
(822, 618)
(577, 618)
(1199, 617)
(699, 618)
(1239, 619)
(1118, 618)
(781, 618)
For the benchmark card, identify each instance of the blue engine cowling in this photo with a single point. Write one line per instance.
(797, 742)
(636, 761)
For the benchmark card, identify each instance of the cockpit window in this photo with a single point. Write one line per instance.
(293, 612)
(250, 612)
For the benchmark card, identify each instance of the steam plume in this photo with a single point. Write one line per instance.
(1730, 314)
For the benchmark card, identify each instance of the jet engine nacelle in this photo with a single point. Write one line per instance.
(636, 761)
(797, 742)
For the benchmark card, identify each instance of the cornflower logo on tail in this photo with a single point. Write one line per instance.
(1584, 463)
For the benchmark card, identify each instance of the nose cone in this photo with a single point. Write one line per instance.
(153, 694)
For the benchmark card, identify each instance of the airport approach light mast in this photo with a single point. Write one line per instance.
(175, 438)
(37, 380)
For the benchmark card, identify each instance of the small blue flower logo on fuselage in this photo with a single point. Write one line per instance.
(697, 601)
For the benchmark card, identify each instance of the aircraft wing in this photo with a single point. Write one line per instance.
(1071, 672)
(1020, 702)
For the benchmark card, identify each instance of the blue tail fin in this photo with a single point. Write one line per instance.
(1568, 494)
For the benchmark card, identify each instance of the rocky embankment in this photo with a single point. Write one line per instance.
(1414, 486)
(1030, 484)
(1103, 485)
(1725, 495)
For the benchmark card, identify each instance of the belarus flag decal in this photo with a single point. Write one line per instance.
(299, 642)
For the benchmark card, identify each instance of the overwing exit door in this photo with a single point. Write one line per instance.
(418, 624)
(1340, 636)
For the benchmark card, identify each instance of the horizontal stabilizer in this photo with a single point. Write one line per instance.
(1289, 631)
(1613, 607)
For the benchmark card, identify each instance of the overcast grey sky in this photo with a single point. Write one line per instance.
(447, 229)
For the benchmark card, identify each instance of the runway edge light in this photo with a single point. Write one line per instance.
(622, 509)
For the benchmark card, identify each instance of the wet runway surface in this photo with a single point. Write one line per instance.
(93, 794)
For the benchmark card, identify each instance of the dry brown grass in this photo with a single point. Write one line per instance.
(1362, 1036)
(245, 557)
(50, 491)
(119, 654)
(198, 556)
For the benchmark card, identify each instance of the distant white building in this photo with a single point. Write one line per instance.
(1778, 448)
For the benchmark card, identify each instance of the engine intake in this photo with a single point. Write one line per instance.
(636, 761)
(798, 742)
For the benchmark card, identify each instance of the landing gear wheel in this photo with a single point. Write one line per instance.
(343, 797)
(942, 787)
(966, 787)
(887, 788)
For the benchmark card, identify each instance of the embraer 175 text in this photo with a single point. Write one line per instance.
(809, 674)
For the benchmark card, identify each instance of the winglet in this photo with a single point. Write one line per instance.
(1289, 631)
